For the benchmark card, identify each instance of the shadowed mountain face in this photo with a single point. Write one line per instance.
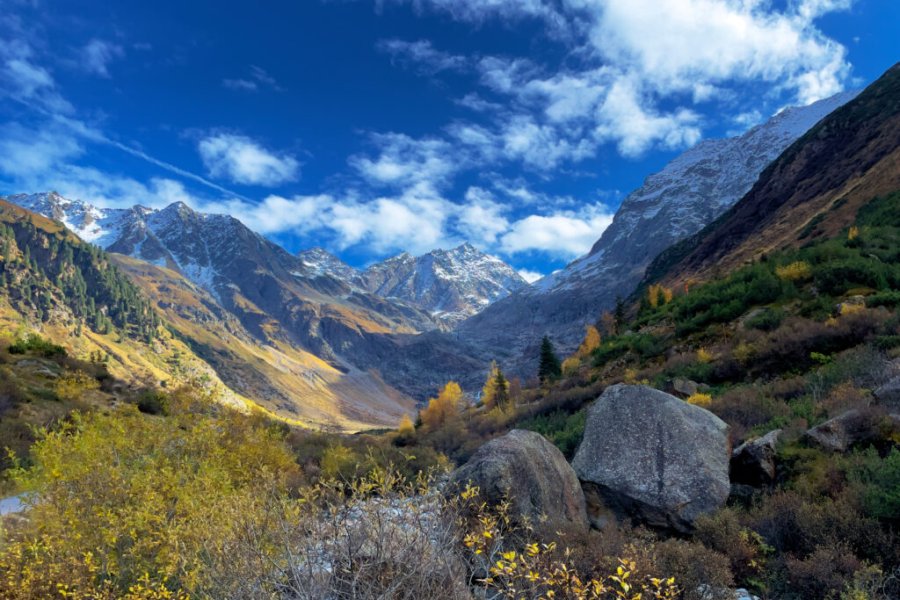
(812, 190)
(686, 195)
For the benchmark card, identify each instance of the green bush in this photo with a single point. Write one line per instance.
(889, 299)
(36, 345)
(880, 478)
(837, 277)
(768, 319)
(564, 429)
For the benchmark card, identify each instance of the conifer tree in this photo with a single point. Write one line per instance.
(495, 393)
(619, 314)
(549, 367)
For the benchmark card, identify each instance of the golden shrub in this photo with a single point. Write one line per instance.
(700, 399)
(571, 365)
(795, 271)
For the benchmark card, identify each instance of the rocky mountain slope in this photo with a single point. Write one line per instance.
(336, 333)
(687, 194)
(811, 191)
(74, 295)
(450, 285)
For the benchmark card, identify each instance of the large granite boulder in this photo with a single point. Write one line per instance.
(526, 469)
(652, 457)
(753, 462)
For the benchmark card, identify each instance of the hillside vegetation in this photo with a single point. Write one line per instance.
(799, 337)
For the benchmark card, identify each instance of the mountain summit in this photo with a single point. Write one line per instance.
(451, 285)
(690, 192)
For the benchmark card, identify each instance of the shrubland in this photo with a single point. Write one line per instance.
(156, 493)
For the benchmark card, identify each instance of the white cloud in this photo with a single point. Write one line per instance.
(96, 56)
(258, 78)
(530, 276)
(28, 153)
(422, 56)
(276, 214)
(242, 160)
(481, 219)
(563, 234)
(624, 118)
(404, 161)
(26, 82)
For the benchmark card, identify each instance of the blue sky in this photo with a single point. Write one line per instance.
(374, 127)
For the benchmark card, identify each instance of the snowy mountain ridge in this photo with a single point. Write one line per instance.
(686, 195)
(449, 284)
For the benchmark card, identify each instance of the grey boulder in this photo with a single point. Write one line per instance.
(652, 457)
(850, 428)
(753, 462)
(532, 474)
(889, 393)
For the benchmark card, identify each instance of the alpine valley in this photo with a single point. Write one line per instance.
(706, 406)
(317, 342)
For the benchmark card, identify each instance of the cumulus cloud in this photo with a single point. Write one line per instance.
(530, 276)
(564, 234)
(96, 56)
(673, 44)
(240, 159)
(402, 160)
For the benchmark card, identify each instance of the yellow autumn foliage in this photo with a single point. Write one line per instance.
(700, 399)
(128, 502)
(590, 343)
(795, 271)
(446, 407)
(571, 365)
(658, 292)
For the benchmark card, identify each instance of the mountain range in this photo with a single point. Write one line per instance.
(315, 340)
(451, 285)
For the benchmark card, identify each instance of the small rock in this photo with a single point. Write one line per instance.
(849, 429)
(526, 469)
(753, 462)
(889, 393)
(685, 387)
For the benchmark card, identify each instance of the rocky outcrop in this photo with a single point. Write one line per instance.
(753, 462)
(889, 393)
(532, 474)
(852, 428)
(652, 457)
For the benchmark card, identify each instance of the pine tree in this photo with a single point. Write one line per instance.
(619, 314)
(549, 367)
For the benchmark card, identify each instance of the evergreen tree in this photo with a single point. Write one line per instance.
(619, 314)
(549, 367)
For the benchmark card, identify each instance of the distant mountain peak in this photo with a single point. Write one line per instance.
(451, 284)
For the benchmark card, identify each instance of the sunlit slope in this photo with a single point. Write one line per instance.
(282, 378)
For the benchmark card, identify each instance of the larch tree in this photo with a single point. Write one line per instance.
(443, 409)
(495, 393)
